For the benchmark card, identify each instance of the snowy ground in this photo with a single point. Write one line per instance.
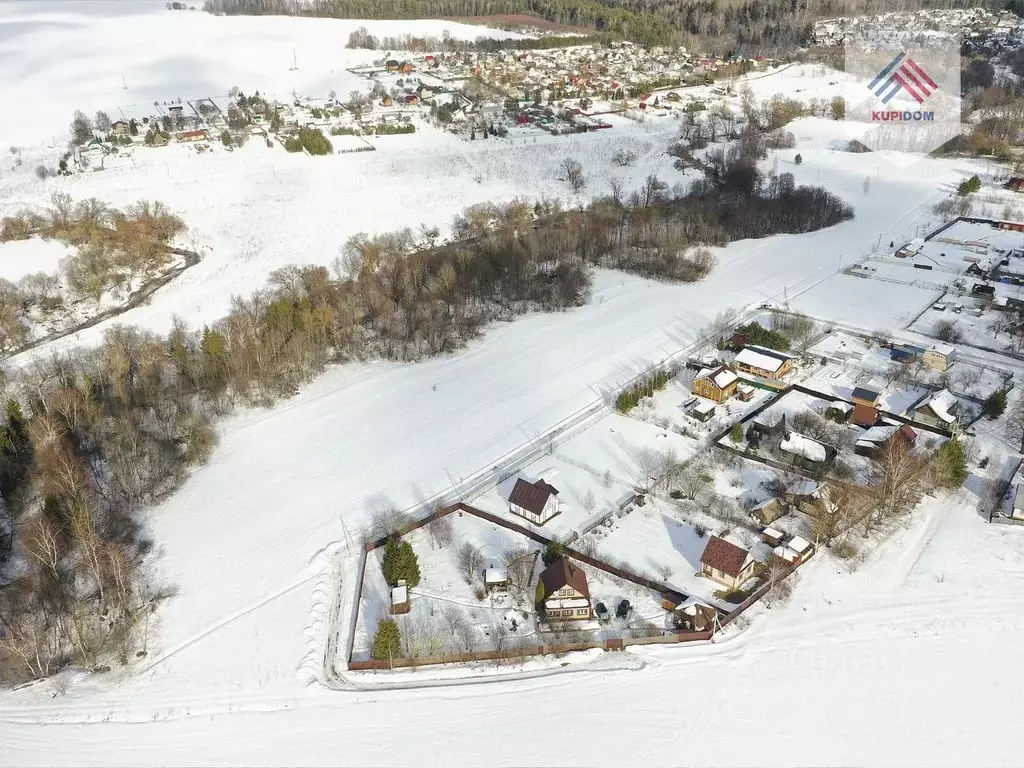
(25, 257)
(232, 661)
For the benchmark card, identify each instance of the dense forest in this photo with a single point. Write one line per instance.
(742, 25)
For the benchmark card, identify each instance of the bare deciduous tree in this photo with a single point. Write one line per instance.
(470, 560)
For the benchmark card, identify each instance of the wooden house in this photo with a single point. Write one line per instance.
(940, 410)
(563, 594)
(537, 502)
(877, 438)
(726, 563)
(717, 384)
(764, 362)
(768, 511)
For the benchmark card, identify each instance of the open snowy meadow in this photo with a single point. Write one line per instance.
(912, 659)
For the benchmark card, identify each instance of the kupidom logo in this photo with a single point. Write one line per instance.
(907, 94)
(902, 74)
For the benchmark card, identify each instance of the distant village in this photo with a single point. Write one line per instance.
(973, 24)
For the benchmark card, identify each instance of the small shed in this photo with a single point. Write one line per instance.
(772, 536)
(703, 410)
(745, 392)
(495, 579)
(670, 600)
(400, 599)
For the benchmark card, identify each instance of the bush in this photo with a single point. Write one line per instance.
(628, 398)
(387, 642)
(969, 186)
(798, 159)
(995, 404)
(951, 465)
(554, 551)
(736, 433)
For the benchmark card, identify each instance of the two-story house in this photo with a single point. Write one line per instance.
(537, 502)
(563, 593)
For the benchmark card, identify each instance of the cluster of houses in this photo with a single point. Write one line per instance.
(970, 23)
(564, 84)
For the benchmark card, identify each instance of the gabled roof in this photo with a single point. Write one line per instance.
(761, 357)
(724, 556)
(942, 404)
(564, 573)
(721, 377)
(865, 415)
(531, 496)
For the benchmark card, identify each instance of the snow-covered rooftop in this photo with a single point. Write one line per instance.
(755, 357)
(800, 445)
(942, 404)
(721, 376)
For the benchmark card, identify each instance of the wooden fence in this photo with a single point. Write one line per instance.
(515, 651)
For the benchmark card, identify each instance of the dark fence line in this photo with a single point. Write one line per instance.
(521, 651)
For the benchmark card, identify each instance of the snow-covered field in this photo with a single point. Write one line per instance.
(25, 257)
(862, 665)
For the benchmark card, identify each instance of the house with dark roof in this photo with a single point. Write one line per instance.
(537, 502)
(726, 563)
(764, 362)
(866, 395)
(563, 594)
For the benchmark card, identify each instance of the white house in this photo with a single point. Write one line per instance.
(537, 502)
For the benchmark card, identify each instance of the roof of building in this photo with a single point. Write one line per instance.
(799, 544)
(800, 445)
(761, 357)
(882, 434)
(564, 573)
(865, 414)
(942, 404)
(866, 393)
(721, 377)
(773, 533)
(531, 496)
(703, 406)
(942, 349)
(495, 576)
(840, 405)
(724, 556)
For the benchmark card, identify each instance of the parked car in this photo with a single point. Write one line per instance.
(602, 612)
(624, 610)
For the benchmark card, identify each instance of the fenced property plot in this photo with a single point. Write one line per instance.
(427, 652)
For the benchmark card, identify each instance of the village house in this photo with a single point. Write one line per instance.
(702, 410)
(803, 451)
(772, 537)
(718, 384)
(940, 410)
(537, 502)
(763, 362)
(120, 128)
(724, 562)
(939, 356)
(883, 436)
(768, 512)
(813, 499)
(562, 592)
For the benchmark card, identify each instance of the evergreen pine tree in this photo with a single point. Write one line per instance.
(390, 563)
(995, 404)
(387, 641)
(951, 465)
(408, 566)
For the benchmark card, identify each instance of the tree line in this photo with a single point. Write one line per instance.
(741, 25)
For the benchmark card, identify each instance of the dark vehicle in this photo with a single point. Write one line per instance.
(602, 612)
(624, 610)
